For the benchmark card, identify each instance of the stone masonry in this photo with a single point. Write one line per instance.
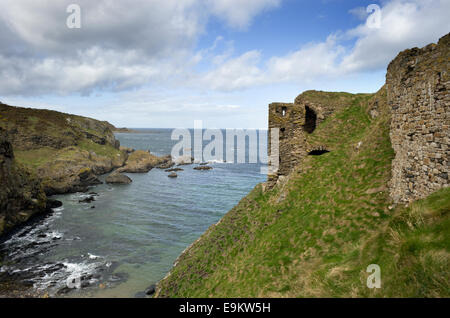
(418, 83)
(295, 121)
(417, 87)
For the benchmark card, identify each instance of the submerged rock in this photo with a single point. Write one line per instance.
(150, 290)
(87, 200)
(203, 168)
(118, 178)
(174, 170)
(53, 204)
(173, 175)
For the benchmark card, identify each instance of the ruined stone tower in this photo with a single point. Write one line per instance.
(418, 83)
(295, 121)
(417, 86)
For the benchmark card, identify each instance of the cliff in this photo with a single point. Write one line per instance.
(21, 195)
(314, 228)
(66, 152)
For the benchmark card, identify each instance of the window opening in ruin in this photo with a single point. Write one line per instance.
(283, 111)
(317, 152)
(310, 120)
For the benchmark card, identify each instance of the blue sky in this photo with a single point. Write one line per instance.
(167, 63)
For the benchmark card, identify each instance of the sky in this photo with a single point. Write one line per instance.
(166, 63)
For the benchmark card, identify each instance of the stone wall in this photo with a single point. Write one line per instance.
(289, 118)
(418, 83)
(295, 121)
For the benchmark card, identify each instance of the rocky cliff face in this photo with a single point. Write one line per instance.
(418, 85)
(21, 195)
(65, 151)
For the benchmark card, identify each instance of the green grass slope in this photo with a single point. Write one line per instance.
(315, 234)
(40, 135)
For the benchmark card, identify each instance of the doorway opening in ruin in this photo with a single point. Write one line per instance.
(317, 152)
(310, 120)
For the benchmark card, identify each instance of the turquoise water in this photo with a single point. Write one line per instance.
(135, 232)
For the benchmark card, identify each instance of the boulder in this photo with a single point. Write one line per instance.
(118, 178)
(150, 290)
(173, 175)
(174, 170)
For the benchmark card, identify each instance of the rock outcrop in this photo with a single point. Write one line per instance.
(65, 151)
(141, 161)
(118, 178)
(74, 170)
(21, 195)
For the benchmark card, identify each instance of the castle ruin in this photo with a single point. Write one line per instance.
(295, 121)
(417, 84)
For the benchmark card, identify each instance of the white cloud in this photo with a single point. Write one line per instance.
(121, 44)
(127, 44)
(236, 73)
(404, 24)
(239, 13)
(311, 61)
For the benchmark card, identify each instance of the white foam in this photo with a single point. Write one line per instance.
(92, 256)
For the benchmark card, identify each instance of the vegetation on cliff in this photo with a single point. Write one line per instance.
(21, 195)
(317, 231)
(64, 151)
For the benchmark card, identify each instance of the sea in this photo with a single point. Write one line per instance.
(129, 237)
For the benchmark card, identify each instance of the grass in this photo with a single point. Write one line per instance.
(36, 157)
(315, 235)
(101, 150)
(41, 136)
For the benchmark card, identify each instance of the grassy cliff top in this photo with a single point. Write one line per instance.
(315, 234)
(328, 98)
(40, 136)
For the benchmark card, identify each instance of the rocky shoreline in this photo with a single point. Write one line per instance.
(43, 153)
